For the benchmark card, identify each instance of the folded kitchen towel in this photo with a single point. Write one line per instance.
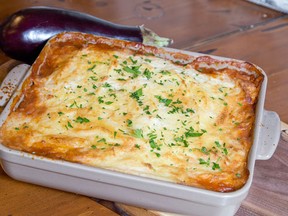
(279, 5)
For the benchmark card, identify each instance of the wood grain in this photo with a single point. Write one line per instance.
(18, 198)
(232, 28)
(187, 22)
(269, 192)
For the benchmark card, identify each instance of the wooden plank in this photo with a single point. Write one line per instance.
(187, 22)
(190, 22)
(18, 198)
(269, 185)
(110, 10)
(277, 93)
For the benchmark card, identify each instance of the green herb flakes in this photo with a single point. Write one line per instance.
(82, 120)
(204, 150)
(166, 101)
(138, 133)
(102, 140)
(238, 175)
(136, 95)
(147, 73)
(215, 166)
(134, 70)
(129, 123)
(69, 125)
(204, 162)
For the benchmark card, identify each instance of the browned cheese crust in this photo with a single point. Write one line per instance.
(138, 109)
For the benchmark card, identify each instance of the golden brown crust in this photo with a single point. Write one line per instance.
(138, 109)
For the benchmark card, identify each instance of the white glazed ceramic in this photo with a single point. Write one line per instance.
(140, 191)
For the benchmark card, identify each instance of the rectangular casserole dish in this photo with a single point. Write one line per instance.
(139, 191)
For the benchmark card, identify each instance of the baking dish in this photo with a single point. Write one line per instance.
(147, 193)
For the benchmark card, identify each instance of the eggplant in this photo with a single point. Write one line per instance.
(24, 33)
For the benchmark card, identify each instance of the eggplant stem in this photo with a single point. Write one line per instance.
(151, 38)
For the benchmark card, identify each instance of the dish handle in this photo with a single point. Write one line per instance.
(270, 130)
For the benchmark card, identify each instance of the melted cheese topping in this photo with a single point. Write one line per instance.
(138, 114)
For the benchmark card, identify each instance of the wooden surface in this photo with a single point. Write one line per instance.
(231, 28)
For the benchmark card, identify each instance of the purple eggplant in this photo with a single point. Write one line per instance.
(24, 33)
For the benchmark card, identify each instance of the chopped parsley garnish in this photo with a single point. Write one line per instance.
(225, 151)
(75, 104)
(138, 133)
(82, 120)
(102, 140)
(118, 70)
(177, 101)
(129, 123)
(202, 161)
(166, 101)
(91, 68)
(157, 154)
(204, 150)
(121, 79)
(165, 72)
(147, 73)
(100, 100)
(222, 147)
(153, 144)
(136, 95)
(217, 144)
(215, 166)
(69, 125)
(108, 102)
(192, 133)
(133, 70)
(238, 175)
(106, 85)
(94, 78)
(182, 140)
(132, 60)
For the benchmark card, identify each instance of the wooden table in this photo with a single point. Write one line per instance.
(231, 28)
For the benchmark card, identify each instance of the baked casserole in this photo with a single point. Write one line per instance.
(139, 110)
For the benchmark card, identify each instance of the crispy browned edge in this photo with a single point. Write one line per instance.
(65, 44)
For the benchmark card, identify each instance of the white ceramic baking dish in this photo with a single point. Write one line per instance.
(140, 191)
